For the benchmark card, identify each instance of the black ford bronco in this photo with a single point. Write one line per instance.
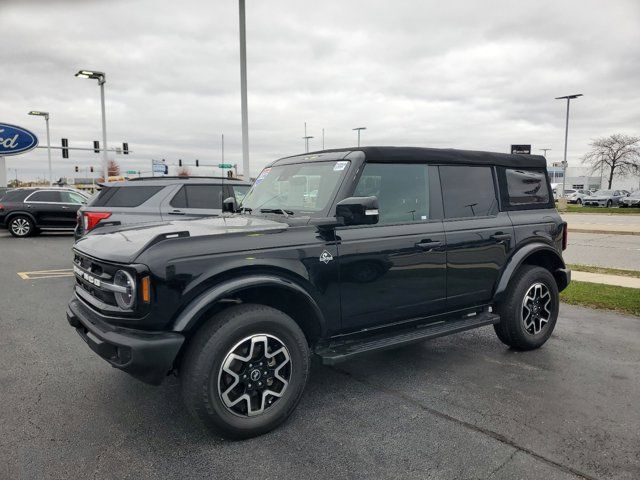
(334, 253)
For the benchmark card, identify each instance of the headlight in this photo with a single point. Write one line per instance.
(125, 299)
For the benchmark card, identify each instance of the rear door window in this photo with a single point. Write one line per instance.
(526, 187)
(45, 196)
(468, 191)
(133, 196)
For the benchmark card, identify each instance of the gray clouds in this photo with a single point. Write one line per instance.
(468, 74)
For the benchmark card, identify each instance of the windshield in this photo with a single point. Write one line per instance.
(299, 188)
(604, 192)
(240, 191)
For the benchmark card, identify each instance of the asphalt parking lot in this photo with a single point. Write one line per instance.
(458, 407)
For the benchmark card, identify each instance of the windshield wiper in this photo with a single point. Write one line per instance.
(286, 213)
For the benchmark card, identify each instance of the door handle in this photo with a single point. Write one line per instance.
(501, 236)
(176, 212)
(64, 207)
(428, 245)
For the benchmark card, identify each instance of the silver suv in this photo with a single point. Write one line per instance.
(144, 200)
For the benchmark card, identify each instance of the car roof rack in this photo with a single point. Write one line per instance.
(142, 179)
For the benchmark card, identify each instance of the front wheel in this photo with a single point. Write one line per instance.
(609, 203)
(529, 313)
(245, 370)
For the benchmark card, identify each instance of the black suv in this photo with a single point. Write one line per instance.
(27, 211)
(335, 253)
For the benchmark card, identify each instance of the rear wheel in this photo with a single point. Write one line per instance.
(245, 370)
(21, 226)
(579, 201)
(529, 313)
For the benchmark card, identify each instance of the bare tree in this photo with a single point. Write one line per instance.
(184, 172)
(113, 169)
(618, 153)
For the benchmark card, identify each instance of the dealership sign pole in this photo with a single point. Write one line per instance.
(14, 140)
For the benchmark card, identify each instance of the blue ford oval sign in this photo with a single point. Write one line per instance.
(15, 140)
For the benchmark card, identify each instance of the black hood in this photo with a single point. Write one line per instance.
(124, 244)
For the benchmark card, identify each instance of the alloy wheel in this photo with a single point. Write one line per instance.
(536, 308)
(21, 227)
(254, 375)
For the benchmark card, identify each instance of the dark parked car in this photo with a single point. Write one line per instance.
(392, 247)
(143, 200)
(27, 211)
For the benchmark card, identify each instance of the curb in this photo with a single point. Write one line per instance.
(604, 232)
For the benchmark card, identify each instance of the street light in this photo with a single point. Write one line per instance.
(46, 119)
(358, 129)
(102, 78)
(566, 136)
(243, 92)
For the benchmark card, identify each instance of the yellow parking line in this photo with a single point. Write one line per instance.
(38, 274)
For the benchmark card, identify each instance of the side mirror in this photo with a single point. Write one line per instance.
(358, 210)
(229, 205)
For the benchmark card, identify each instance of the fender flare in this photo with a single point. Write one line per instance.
(198, 306)
(23, 213)
(518, 258)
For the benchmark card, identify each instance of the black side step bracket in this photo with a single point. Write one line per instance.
(343, 348)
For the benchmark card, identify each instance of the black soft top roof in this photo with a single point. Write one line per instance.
(420, 154)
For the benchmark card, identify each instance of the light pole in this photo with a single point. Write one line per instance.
(243, 93)
(46, 119)
(102, 78)
(566, 136)
(306, 138)
(358, 129)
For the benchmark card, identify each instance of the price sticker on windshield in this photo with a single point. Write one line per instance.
(339, 166)
(263, 175)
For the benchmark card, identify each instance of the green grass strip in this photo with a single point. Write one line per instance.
(605, 270)
(607, 297)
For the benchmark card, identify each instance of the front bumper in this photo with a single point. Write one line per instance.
(147, 356)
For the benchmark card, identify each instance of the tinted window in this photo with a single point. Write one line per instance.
(15, 195)
(124, 196)
(402, 191)
(179, 200)
(204, 196)
(526, 187)
(468, 191)
(45, 196)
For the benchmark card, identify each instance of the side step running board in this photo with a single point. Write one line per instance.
(338, 350)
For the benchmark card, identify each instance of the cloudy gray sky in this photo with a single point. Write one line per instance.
(461, 74)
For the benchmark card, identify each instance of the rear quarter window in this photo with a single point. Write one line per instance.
(525, 188)
(133, 196)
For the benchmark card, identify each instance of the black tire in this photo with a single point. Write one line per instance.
(609, 203)
(579, 202)
(201, 371)
(512, 330)
(21, 226)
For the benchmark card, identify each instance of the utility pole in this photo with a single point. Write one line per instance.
(323, 139)
(243, 93)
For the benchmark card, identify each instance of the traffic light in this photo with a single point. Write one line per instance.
(65, 150)
(77, 169)
(179, 162)
(166, 170)
(125, 148)
(197, 162)
(229, 174)
(91, 169)
(96, 146)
